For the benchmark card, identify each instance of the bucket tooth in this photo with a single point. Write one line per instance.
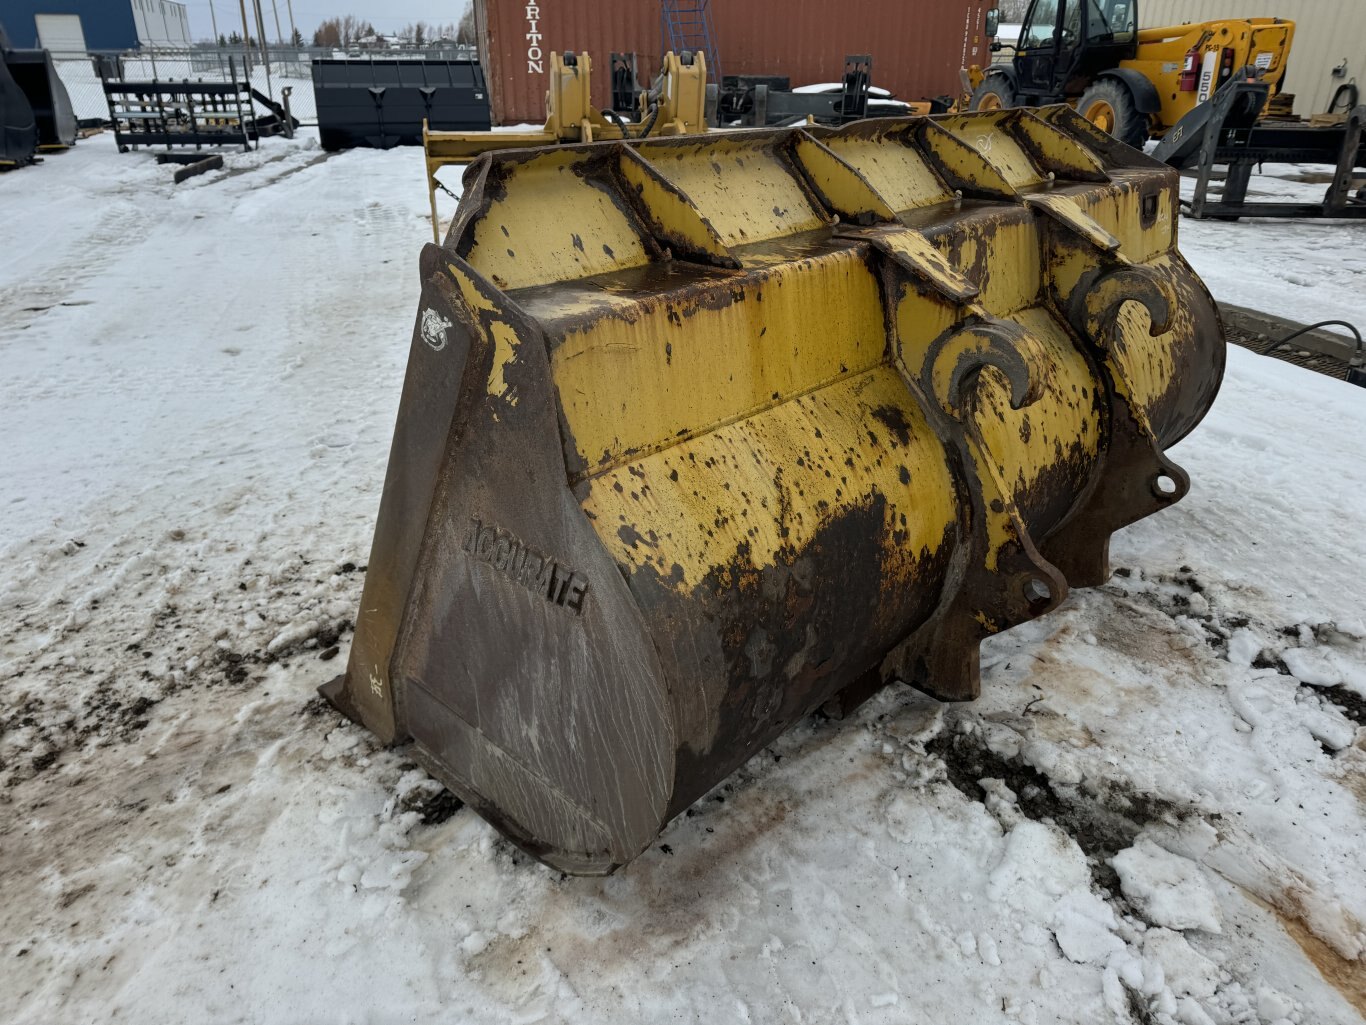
(703, 433)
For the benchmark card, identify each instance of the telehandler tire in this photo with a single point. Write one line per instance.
(1109, 105)
(995, 93)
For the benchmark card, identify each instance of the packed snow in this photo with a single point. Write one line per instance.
(1155, 813)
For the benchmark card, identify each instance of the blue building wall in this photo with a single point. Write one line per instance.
(108, 24)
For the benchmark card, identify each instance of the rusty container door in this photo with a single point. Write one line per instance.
(917, 46)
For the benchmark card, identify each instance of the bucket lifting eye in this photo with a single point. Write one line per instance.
(1038, 593)
(1164, 487)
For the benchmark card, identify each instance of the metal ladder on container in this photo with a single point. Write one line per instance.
(687, 26)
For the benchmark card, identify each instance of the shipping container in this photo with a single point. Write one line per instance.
(917, 46)
(1329, 50)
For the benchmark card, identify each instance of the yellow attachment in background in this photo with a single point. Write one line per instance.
(683, 96)
(569, 101)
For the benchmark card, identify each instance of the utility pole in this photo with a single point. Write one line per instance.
(265, 53)
(293, 32)
(214, 18)
(279, 41)
(246, 40)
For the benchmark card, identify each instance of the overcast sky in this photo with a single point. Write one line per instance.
(386, 15)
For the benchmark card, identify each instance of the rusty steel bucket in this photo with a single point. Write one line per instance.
(700, 434)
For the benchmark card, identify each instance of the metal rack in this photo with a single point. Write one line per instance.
(185, 113)
(1221, 141)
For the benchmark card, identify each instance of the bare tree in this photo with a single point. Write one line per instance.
(1012, 11)
(353, 29)
(342, 31)
(328, 34)
(465, 33)
(433, 32)
(417, 33)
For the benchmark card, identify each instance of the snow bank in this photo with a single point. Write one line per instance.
(1167, 889)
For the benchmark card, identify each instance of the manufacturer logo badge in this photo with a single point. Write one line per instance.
(434, 328)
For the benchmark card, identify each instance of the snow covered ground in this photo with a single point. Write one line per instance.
(1156, 812)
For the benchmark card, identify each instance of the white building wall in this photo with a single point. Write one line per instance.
(1326, 33)
(161, 23)
(60, 33)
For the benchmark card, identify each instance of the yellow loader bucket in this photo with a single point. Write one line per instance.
(700, 434)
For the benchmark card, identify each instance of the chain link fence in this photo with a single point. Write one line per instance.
(281, 68)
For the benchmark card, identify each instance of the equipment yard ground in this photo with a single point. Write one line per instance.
(1155, 813)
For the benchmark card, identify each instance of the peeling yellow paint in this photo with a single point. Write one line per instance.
(499, 332)
(679, 367)
(1119, 211)
(843, 187)
(551, 222)
(988, 136)
(741, 185)
(769, 482)
(897, 171)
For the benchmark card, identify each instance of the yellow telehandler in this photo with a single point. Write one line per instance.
(1133, 83)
